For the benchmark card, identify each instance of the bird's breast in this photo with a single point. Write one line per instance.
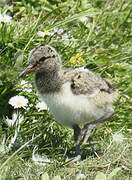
(69, 108)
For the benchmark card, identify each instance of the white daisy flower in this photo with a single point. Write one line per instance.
(18, 102)
(5, 18)
(58, 31)
(26, 86)
(118, 137)
(66, 37)
(44, 33)
(41, 106)
(23, 82)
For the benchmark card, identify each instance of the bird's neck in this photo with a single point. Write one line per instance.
(48, 82)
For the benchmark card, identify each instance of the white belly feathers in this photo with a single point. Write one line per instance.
(69, 109)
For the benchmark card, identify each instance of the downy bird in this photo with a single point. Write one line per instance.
(77, 98)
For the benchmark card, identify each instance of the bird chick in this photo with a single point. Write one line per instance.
(76, 97)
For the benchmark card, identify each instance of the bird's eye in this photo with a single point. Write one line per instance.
(42, 59)
(53, 56)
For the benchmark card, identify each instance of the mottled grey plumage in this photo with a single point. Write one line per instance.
(74, 96)
(86, 82)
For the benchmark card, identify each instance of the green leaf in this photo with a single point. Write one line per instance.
(73, 18)
(84, 4)
(45, 176)
(100, 176)
(113, 173)
(57, 177)
(19, 58)
(5, 178)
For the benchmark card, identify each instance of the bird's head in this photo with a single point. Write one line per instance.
(42, 59)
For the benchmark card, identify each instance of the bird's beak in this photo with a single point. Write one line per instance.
(30, 68)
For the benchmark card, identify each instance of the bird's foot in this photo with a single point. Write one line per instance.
(73, 159)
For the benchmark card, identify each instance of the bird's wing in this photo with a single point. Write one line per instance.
(84, 81)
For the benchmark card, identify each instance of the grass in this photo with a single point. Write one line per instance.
(112, 156)
(102, 42)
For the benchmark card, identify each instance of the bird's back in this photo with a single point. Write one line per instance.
(85, 82)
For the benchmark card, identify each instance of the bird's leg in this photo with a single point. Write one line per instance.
(77, 138)
(86, 131)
